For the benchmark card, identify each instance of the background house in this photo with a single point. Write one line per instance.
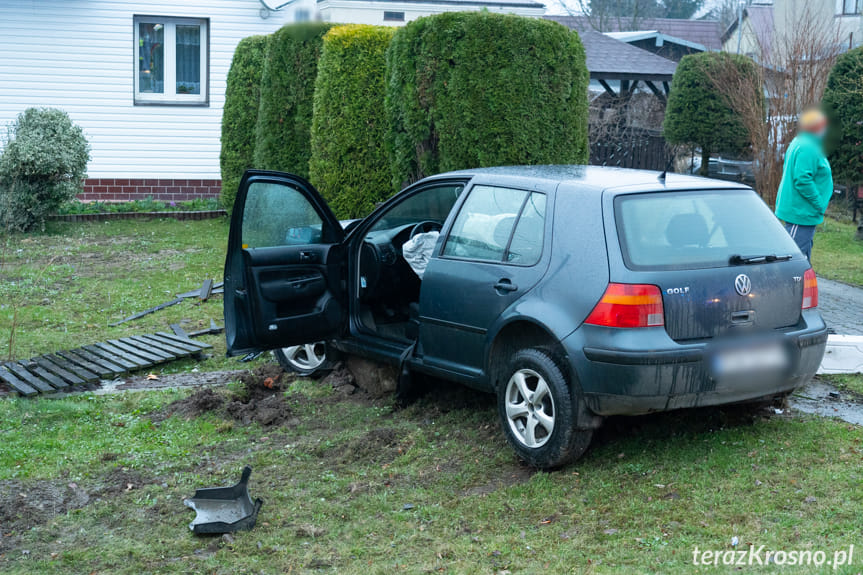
(767, 21)
(397, 12)
(146, 79)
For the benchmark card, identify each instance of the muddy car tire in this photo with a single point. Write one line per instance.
(309, 360)
(537, 408)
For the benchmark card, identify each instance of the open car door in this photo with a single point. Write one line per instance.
(284, 267)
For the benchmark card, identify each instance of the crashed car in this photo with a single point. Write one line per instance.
(572, 293)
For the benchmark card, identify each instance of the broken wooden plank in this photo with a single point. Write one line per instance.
(29, 378)
(141, 357)
(153, 343)
(189, 345)
(175, 327)
(92, 362)
(217, 287)
(15, 383)
(45, 375)
(121, 359)
(170, 337)
(212, 330)
(206, 290)
(69, 366)
(51, 367)
(141, 350)
(141, 314)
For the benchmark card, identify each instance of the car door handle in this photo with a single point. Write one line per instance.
(307, 257)
(505, 285)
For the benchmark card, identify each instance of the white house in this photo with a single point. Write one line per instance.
(146, 79)
(397, 12)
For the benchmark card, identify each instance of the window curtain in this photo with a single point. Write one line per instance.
(188, 59)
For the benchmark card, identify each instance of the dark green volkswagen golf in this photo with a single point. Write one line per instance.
(572, 293)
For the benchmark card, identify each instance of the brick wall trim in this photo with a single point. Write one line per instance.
(159, 189)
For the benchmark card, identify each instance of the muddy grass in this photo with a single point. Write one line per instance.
(25, 505)
(260, 399)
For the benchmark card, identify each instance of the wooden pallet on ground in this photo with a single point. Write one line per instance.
(78, 369)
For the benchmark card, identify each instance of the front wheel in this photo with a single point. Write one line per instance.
(537, 408)
(307, 360)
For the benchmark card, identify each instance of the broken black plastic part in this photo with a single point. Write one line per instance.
(224, 509)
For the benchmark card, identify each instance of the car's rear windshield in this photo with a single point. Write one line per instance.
(697, 229)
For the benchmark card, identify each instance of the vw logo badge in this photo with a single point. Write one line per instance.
(742, 284)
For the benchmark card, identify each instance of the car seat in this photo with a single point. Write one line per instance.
(686, 230)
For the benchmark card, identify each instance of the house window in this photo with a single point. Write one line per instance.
(302, 15)
(394, 16)
(851, 7)
(171, 60)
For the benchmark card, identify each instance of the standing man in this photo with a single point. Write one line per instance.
(807, 181)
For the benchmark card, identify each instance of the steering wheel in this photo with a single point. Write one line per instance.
(424, 227)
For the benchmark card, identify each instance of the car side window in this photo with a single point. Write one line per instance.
(276, 214)
(431, 204)
(525, 248)
(484, 226)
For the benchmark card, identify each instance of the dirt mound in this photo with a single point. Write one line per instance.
(202, 401)
(263, 381)
(377, 446)
(26, 505)
(259, 399)
(270, 410)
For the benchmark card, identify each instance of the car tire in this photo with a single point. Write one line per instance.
(308, 360)
(538, 408)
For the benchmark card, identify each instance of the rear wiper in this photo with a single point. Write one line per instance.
(737, 259)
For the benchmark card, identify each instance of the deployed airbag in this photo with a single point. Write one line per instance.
(418, 250)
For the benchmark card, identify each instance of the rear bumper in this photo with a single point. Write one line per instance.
(629, 372)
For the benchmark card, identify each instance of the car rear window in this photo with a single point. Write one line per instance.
(697, 229)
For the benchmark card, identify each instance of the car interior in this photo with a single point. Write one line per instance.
(388, 287)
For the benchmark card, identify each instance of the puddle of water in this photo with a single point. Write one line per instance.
(816, 398)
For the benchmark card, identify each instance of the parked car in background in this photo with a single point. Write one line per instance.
(573, 293)
(725, 169)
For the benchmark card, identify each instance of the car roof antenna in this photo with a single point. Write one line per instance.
(664, 173)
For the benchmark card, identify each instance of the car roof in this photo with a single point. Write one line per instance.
(598, 178)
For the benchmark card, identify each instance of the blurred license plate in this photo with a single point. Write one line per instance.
(755, 359)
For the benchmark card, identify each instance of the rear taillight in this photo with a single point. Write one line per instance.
(628, 305)
(810, 289)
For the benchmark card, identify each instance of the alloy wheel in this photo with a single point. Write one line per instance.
(529, 408)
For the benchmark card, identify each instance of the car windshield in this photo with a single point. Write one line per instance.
(697, 229)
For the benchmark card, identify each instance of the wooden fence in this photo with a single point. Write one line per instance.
(645, 151)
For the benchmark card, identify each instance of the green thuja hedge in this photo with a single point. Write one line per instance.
(349, 163)
(697, 113)
(843, 101)
(240, 116)
(282, 136)
(479, 89)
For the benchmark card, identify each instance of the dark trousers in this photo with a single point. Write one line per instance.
(802, 236)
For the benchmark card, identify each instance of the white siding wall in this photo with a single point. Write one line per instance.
(78, 55)
(372, 12)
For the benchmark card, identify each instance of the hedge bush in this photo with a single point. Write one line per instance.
(843, 101)
(287, 88)
(349, 163)
(473, 89)
(697, 114)
(240, 116)
(43, 165)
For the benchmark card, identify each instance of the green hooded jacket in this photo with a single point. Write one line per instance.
(807, 182)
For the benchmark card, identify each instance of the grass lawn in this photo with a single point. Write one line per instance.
(69, 283)
(94, 484)
(339, 481)
(835, 254)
